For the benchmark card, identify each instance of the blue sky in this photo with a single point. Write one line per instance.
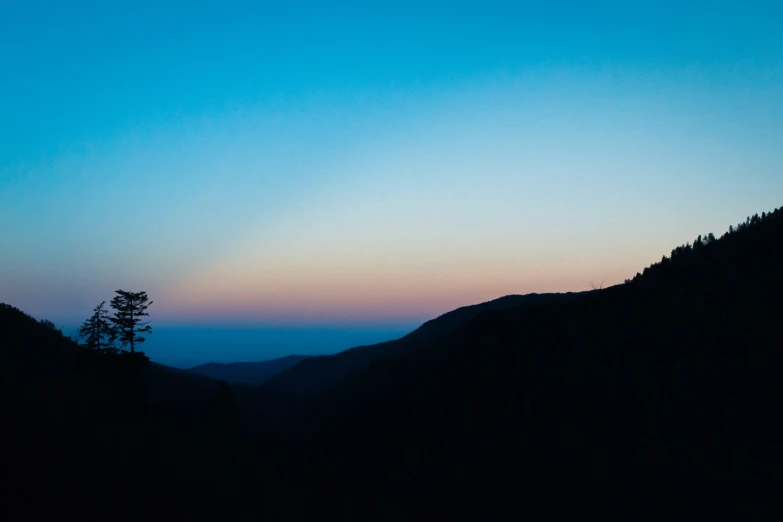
(366, 166)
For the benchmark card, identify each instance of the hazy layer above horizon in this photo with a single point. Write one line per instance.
(188, 346)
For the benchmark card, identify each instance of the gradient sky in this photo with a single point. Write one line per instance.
(367, 166)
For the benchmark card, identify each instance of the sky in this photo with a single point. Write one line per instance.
(275, 170)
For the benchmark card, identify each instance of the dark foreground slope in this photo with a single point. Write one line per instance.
(659, 397)
(316, 374)
(113, 437)
(254, 373)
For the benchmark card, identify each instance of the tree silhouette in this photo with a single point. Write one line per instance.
(131, 308)
(97, 331)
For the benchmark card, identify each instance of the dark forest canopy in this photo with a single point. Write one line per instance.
(658, 396)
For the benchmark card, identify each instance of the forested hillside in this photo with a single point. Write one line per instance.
(655, 391)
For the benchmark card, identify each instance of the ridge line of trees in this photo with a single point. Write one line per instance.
(688, 250)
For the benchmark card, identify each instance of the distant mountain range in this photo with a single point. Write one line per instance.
(254, 373)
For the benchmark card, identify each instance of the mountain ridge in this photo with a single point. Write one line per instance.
(251, 373)
(318, 373)
(661, 390)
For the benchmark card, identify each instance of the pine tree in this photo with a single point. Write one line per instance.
(97, 331)
(130, 310)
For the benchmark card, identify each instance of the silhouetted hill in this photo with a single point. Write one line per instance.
(657, 395)
(254, 373)
(316, 374)
(112, 437)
